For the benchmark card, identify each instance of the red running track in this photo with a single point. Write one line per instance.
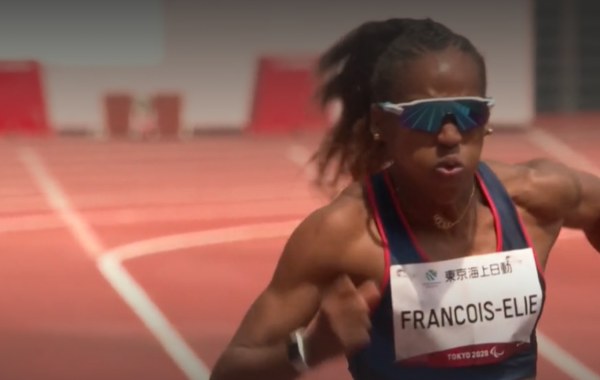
(123, 260)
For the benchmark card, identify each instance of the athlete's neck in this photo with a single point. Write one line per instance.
(419, 209)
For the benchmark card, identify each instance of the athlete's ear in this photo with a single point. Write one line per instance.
(376, 122)
(376, 116)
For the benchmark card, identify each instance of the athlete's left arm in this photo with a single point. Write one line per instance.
(566, 194)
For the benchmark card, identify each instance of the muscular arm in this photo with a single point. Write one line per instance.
(308, 265)
(555, 193)
(585, 213)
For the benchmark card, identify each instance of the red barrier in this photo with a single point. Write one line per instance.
(22, 101)
(117, 107)
(168, 108)
(283, 99)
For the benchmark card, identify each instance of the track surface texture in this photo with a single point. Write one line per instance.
(123, 260)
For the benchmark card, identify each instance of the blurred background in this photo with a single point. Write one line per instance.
(153, 160)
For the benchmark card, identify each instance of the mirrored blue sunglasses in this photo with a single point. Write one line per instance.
(428, 115)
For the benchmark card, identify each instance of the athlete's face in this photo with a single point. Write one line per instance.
(418, 155)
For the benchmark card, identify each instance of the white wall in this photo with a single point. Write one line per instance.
(211, 50)
(83, 32)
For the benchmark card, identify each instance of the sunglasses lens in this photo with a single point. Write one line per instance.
(429, 117)
(470, 114)
(424, 117)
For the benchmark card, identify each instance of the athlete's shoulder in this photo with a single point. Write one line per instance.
(542, 186)
(331, 230)
(510, 175)
(343, 216)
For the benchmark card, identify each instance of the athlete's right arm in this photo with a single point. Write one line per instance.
(308, 264)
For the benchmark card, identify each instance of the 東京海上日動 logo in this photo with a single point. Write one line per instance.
(431, 275)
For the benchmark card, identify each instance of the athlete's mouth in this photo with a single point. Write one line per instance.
(449, 166)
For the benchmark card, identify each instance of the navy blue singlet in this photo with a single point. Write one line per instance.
(377, 361)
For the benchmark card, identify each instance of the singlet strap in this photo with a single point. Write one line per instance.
(390, 224)
(513, 235)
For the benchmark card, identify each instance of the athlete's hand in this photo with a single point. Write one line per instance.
(342, 326)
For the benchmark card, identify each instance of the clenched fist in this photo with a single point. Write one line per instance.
(342, 325)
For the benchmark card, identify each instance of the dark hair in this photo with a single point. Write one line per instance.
(359, 70)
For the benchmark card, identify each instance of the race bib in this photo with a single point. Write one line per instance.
(468, 311)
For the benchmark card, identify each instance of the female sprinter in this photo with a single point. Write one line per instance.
(430, 265)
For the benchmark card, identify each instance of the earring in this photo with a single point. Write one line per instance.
(489, 131)
(376, 136)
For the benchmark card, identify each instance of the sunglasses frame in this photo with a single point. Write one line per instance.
(398, 108)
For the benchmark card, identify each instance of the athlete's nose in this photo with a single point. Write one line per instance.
(449, 136)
